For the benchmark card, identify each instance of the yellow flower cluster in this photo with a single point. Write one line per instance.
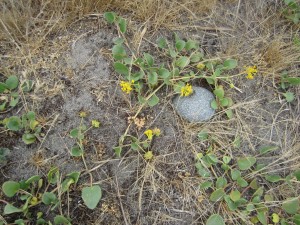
(200, 66)
(149, 133)
(148, 155)
(186, 90)
(126, 86)
(95, 123)
(251, 71)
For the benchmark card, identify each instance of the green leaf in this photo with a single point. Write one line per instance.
(110, 17)
(273, 178)
(226, 159)
(27, 86)
(49, 198)
(219, 92)
(289, 96)
(76, 151)
(33, 179)
(53, 175)
(293, 80)
(182, 62)
(28, 138)
(13, 102)
(297, 174)
(291, 205)
(217, 195)
(118, 151)
(31, 115)
(221, 182)
(296, 219)
(205, 185)
(215, 219)
(266, 149)
(149, 59)
(242, 182)
(74, 133)
(121, 68)
(262, 218)
(259, 192)
(122, 25)
(164, 73)
(229, 64)
(246, 162)
(229, 113)
(119, 52)
(10, 188)
(19, 222)
(235, 195)
(153, 100)
(196, 57)
(202, 171)
(190, 44)
(9, 209)
(14, 123)
(235, 174)
(214, 104)
(12, 82)
(91, 196)
(180, 44)
(152, 78)
(58, 220)
(203, 135)
(224, 102)
(162, 42)
(3, 87)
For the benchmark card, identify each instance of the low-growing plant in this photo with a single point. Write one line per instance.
(136, 144)
(285, 83)
(292, 11)
(10, 92)
(27, 124)
(4, 153)
(240, 190)
(37, 191)
(78, 134)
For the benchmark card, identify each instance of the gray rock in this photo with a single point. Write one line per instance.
(196, 107)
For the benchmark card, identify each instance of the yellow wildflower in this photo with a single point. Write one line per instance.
(149, 134)
(231, 85)
(200, 66)
(251, 71)
(275, 218)
(82, 114)
(126, 86)
(186, 90)
(148, 155)
(95, 123)
(156, 131)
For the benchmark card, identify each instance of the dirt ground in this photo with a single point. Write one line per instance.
(72, 72)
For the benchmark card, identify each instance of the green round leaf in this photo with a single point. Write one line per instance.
(110, 17)
(215, 219)
(121, 68)
(161, 42)
(76, 151)
(164, 73)
(180, 44)
(49, 198)
(273, 178)
(206, 185)
(119, 52)
(235, 174)
(14, 123)
(153, 100)
(242, 182)
(235, 195)
(58, 220)
(152, 78)
(122, 25)
(214, 104)
(91, 196)
(221, 182)
(217, 195)
(190, 44)
(289, 96)
(182, 62)
(28, 138)
(149, 59)
(9, 209)
(291, 206)
(12, 82)
(246, 162)
(10, 188)
(196, 57)
(230, 64)
(219, 92)
(296, 219)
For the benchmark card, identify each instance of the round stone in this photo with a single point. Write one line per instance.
(196, 107)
